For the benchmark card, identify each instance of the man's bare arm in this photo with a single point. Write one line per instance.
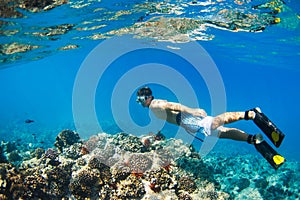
(181, 108)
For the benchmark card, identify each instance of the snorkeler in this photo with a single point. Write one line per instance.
(195, 120)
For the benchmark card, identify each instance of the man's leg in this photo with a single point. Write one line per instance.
(229, 117)
(233, 133)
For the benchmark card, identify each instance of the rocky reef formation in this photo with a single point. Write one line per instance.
(124, 166)
(11, 8)
(120, 166)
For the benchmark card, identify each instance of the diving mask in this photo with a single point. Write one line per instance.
(141, 99)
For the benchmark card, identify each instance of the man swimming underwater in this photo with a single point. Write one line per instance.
(195, 120)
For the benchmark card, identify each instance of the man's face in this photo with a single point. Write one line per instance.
(143, 100)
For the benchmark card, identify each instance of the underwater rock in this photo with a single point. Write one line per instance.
(10, 146)
(68, 47)
(38, 153)
(162, 29)
(52, 156)
(85, 183)
(136, 175)
(129, 143)
(242, 184)
(95, 163)
(58, 180)
(35, 5)
(9, 8)
(14, 156)
(261, 183)
(120, 172)
(184, 196)
(237, 21)
(212, 195)
(56, 175)
(187, 184)
(195, 166)
(160, 179)
(12, 48)
(130, 188)
(96, 141)
(74, 151)
(2, 156)
(55, 31)
(65, 139)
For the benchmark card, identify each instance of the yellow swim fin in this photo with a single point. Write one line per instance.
(275, 159)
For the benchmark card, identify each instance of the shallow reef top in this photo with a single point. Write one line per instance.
(124, 166)
(120, 166)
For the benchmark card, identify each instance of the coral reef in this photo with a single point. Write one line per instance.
(139, 163)
(2, 157)
(252, 178)
(111, 168)
(65, 139)
(10, 8)
(117, 166)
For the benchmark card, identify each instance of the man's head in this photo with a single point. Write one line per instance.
(144, 96)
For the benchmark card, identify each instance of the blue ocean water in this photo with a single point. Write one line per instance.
(257, 69)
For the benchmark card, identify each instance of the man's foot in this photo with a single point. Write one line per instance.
(268, 127)
(249, 114)
(255, 139)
